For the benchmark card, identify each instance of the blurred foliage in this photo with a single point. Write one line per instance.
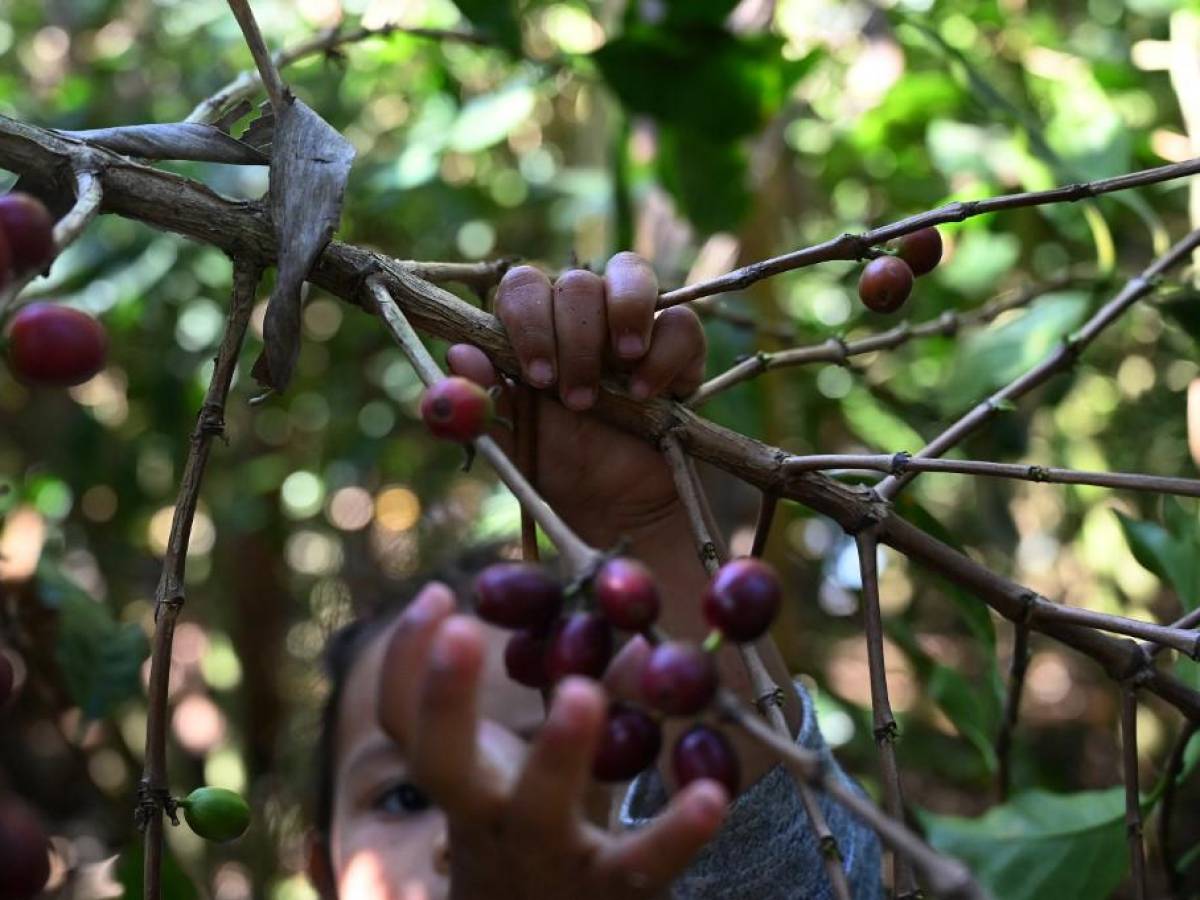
(680, 128)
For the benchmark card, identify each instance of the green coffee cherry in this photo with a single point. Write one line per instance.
(216, 814)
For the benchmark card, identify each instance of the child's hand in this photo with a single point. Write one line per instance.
(520, 834)
(603, 481)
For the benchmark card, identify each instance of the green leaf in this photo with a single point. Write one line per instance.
(496, 19)
(100, 658)
(1040, 844)
(992, 358)
(1170, 556)
(488, 119)
(974, 709)
(707, 179)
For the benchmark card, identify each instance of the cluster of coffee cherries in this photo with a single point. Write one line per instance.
(887, 281)
(677, 678)
(48, 344)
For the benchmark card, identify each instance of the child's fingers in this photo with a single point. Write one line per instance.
(559, 766)
(470, 362)
(632, 289)
(524, 303)
(676, 356)
(654, 855)
(404, 659)
(580, 327)
(442, 752)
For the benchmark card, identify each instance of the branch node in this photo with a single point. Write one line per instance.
(1037, 473)
(1029, 601)
(900, 462)
(887, 733)
(829, 847)
(771, 698)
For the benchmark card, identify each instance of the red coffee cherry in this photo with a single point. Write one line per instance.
(702, 752)
(24, 852)
(55, 345)
(742, 599)
(627, 594)
(885, 284)
(6, 263)
(517, 595)
(525, 659)
(581, 645)
(922, 250)
(679, 679)
(630, 744)
(456, 409)
(7, 678)
(27, 225)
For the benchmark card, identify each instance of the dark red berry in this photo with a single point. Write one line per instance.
(30, 232)
(702, 752)
(742, 599)
(517, 595)
(885, 284)
(679, 679)
(627, 594)
(6, 679)
(581, 645)
(456, 409)
(6, 262)
(55, 345)
(525, 659)
(922, 250)
(630, 743)
(24, 852)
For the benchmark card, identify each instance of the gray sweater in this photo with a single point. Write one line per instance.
(766, 849)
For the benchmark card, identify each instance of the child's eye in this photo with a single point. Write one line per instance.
(403, 799)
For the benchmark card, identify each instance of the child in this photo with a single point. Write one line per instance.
(421, 713)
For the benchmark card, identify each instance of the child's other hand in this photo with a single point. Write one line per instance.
(523, 833)
(605, 482)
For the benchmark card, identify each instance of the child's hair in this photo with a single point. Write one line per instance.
(345, 645)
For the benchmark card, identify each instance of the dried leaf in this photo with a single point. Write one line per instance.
(309, 167)
(179, 140)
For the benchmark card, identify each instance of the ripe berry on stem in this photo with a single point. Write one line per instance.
(627, 594)
(629, 744)
(885, 284)
(24, 852)
(29, 229)
(581, 645)
(54, 345)
(922, 250)
(702, 752)
(525, 658)
(517, 595)
(456, 409)
(679, 679)
(216, 814)
(742, 599)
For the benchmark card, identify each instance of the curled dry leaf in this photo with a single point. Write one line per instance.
(310, 163)
(176, 140)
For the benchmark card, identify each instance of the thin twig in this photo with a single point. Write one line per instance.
(247, 83)
(767, 505)
(1186, 622)
(1057, 360)
(947, 877)
(900, 464)
(153, 794)
(1133, 797)
(1167, 807)
(859, 246)
(836, 350)
(579, 556)
(269, 75)
(1012, 708)
(767, 694)
(886, 732)
(88, 194)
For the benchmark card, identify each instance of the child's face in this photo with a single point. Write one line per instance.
(386, 841)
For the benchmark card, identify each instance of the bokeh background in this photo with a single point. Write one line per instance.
(701, 134)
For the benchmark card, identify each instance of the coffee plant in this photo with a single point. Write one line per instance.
(724, 113)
